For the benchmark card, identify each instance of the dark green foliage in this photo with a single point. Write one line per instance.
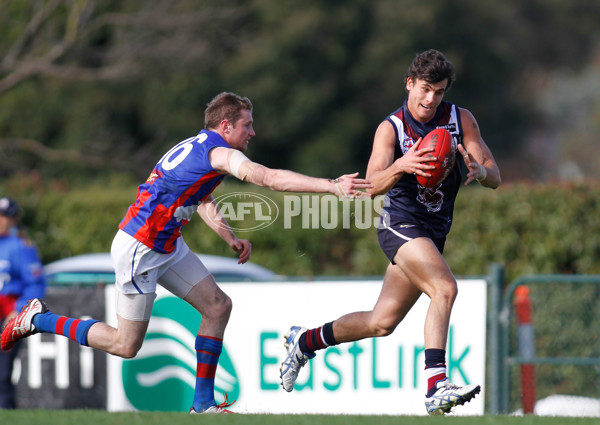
(531, 229)
(115, 84)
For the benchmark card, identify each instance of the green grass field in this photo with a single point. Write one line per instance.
(97, 417)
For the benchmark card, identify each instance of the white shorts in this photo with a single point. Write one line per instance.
(138, 268)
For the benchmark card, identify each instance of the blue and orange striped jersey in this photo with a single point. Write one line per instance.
(168, 199)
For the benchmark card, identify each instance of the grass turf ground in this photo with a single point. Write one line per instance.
(98, 417)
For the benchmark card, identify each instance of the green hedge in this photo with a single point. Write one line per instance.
(530, 228)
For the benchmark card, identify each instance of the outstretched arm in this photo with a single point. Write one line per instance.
(233, 162)
(211, 214)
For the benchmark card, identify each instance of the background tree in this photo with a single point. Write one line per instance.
(90, 87)
(92, 93)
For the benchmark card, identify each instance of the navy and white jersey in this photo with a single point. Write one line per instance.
(408, 200)
(169, 198)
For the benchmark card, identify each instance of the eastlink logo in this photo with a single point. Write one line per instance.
(248, 211)
(163, 374)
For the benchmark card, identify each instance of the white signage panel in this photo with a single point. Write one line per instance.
(371, 376)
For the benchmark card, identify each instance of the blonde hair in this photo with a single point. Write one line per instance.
(225, 106)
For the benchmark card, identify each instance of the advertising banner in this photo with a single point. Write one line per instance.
(372, 376)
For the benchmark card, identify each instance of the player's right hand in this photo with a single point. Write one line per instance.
(348, 186)
(413, 161)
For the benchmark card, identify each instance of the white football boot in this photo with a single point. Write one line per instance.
(449, 395)
(295, 358)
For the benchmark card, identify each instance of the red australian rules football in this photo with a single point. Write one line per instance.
(441, 142)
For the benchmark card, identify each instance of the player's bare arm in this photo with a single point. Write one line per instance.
(233, 162)
(211, 214)
(476, 154)
(383, 171)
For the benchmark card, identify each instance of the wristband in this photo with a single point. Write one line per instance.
(339, 187)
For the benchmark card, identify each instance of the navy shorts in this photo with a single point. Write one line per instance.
(393, 232)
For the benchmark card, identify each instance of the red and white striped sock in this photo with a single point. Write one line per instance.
(317, 339)
(435, 368)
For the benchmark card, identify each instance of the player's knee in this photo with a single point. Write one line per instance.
(447, 292)
(383, 327)
(129, 353)
(127, 350)
(222, 307)
(226, 306)
(383, 331)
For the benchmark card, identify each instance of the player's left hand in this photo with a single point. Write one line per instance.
(244, 248)
(476, 171)
(348, 186)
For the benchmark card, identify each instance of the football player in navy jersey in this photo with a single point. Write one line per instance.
(148, 247)
(413, 228)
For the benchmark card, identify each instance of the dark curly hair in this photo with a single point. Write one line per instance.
(433, 67)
